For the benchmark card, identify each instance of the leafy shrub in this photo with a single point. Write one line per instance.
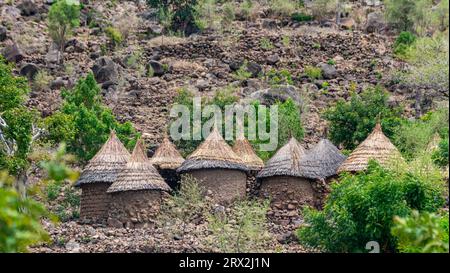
(440, 156)
(19, 219)
(313, 73)
(114, 36)
(182, 12)
(242, 73)
(242, 230)
(187, 205)
(41, 81)
(413, 137)
(63, 17)
(301, 17)
(206, 15)
(403, 42)
(351, 122)
(91, 121)
(361, 207)
(283, 7)
(279, 77)
(265, 43)
(422, 233)
(228, 14)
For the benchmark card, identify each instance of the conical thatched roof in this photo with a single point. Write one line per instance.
(138, 174)
(244, 150)
(167, 156)
(322, 161)
(106, 164)
(376, 146)
(286, 161)
(213, 153)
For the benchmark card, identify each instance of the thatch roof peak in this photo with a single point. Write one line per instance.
(213, 153)
(167, 156)
(138, 174)
(286, 161)
(322, 161)
(107, 163)
(244, 150)
(376, 146)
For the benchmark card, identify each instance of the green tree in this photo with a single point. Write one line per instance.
(63, 17)
(352, 121)
(182, 11)
(361, 208)
(84, 123)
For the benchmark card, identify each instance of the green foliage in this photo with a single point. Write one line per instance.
(228, 14)
(352, 121)
(19, 219)
(206, 15)
(84, 123)
(187, 205)
(279, 77)
(413, 137)
(182, 12)
(422, 233)
(313, 73)
(242, 230)
(301, 17)
(114, 36)
(403, 42)
(63, 17)
(361, 207)
(18, 121)
(399, 13)
(440, 156)
(265, 43)
(283, 7)
(242, 73)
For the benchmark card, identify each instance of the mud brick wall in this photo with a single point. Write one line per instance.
(225, 185)
(288, 195)
(134, 209)
(94, 203)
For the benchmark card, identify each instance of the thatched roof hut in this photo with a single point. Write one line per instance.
(138, 174)
(376, 146)
(285, 162)
(322, 161)
(167, 156)
(244, 150)
(213, 153)
(106, 164)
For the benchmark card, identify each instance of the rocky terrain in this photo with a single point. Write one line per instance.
(140, 79)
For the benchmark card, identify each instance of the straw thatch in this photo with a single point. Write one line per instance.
(213, 153)
(376, 146)
(138, 174)
(322, 161)
(245, 151)
(285, 162)
(167, 156)
(106, 164)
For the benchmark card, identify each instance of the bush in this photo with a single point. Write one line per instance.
(351, 122)
(182, 13)
(320, 9)
(281, 77)
(114, 36)
(301, 17)
(314, 73)
(422, 233)
(283, 7)
(242, 230)
(440, 156)
(242, 73)
(63, 17)
(265, 43)
(84, 123)
(413, 137)
(403, 42)
(361, 207)
(399, 13)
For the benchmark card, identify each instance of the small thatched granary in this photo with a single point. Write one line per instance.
(137, 193)
(217, 168)
(322, 161)
(376, 146)
(98, 175)
(167, 160)
(282, 178)
(244, 150)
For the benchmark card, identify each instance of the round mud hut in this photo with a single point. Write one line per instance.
(245, 152)
(98, 175)
(283, 181)
(217, 169)
(137, 193)
(377, 147)
(167, 160)
(320, 164)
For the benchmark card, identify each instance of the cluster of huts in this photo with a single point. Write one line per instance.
(127, 190)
